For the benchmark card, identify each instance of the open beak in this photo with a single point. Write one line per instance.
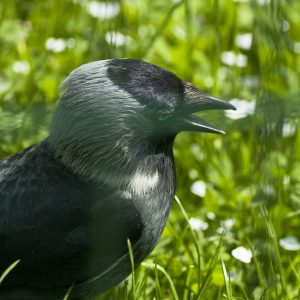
(195, 101)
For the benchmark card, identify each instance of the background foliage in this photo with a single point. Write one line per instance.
(244, 186)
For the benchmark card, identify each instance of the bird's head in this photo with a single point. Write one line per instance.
(114, 111)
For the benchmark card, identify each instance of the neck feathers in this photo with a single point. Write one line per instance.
(132, 163)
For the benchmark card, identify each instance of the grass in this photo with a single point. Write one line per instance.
(247, 50)
(213, 280)
(8, 270)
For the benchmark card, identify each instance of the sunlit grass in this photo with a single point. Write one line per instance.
(8, 270)
(199, 282)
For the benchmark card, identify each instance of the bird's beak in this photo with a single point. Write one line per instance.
(195, 101)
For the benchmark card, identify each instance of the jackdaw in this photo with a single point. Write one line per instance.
(105, 174)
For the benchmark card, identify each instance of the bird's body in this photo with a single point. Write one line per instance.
(88, 224)
(69, 204)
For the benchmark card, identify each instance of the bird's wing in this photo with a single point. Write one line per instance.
(62, 230)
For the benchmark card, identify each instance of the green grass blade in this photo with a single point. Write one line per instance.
(187, 291)
(154, 266)
(273, 243)
(132, 269)
(157, 284)
(212, 265)
(195, 240)
(8, 270)
(261, 276)
(69, 292)
(142, 285)
(227, 282)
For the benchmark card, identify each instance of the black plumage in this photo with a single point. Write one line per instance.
(104, 174)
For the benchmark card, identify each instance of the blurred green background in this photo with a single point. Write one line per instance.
(240, 237)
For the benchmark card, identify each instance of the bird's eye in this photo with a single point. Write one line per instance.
(164, 114)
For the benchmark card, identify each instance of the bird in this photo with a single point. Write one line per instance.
(103, 176)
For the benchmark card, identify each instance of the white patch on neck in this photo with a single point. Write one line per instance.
(141, 183)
